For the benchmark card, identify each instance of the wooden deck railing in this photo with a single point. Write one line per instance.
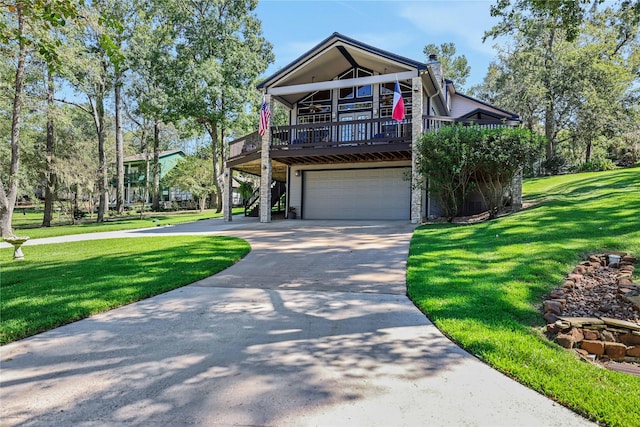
(349, 133)
(432, 123)
(345, 133)
(244, 145)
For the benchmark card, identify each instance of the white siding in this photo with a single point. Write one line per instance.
(461, 106)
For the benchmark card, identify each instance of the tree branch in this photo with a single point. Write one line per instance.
(75, 104)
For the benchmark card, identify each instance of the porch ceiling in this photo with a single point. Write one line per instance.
(343, 155)
(281, 158)
(331, 58)
(278, 169)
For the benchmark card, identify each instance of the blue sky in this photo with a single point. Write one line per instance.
(401, 27)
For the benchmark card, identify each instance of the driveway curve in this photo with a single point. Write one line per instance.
(311, 328)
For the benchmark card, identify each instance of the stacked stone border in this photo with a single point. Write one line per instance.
(596, 337)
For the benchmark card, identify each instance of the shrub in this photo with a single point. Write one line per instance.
(597, 165)
(498, 156)
(554, 165)
(455, 160)
(445, 164)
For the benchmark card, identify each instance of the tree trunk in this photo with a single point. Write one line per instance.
(103, 178)
(156, 166)
(549, 128)
(212, 128)
(75, 206)
(147, 165)
(549, 108)
(8, 198)
(587, 156)
(50, 176)
(119, 147)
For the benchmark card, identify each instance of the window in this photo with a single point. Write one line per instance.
(386, 98)
(355, 106)
(315, 107)
(314, 118)
(357, 91)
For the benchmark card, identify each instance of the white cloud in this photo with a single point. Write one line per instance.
(466, 21)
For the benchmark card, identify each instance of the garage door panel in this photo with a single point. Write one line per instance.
(357, 194)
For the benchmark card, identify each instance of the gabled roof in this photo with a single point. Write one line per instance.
(493, 107)
(334, 55)
(162, 154)
(481, 112)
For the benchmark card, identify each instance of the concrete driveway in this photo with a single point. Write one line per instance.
(312, 328)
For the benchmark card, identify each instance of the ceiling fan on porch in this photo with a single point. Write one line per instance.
(317, 107)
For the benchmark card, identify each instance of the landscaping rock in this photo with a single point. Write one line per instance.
(625, 281)
(615, 350)
(629, 339)
(593, 347)
(570, 339)
(590, 335)
(599, 311)
(551, 306)
(575, 277)
(550, 317)
(607, 336)
(621, 324)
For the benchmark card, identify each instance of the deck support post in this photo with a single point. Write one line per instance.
(227, 195)
(416, 131)
(265, 171)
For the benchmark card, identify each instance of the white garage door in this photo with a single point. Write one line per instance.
(357, 194)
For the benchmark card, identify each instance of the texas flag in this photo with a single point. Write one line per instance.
(398, 104)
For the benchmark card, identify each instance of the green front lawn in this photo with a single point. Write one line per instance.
(483, 284)
(24, 225)
(61, 283)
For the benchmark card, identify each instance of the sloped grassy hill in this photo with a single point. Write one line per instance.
(483, 284)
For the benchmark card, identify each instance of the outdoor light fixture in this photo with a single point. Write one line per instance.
(298, 173)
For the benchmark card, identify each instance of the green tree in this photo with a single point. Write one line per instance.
(75, 164)
(25, 26)
(455, 68)
(582, 86)
(568, 15)
(149, 55)
(193, 174)
(538, 38)
(219, 54)
(91, 61)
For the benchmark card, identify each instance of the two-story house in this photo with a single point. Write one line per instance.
(343, 156)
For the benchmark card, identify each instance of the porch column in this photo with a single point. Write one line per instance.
(227, 195)
(416, 132)
(265, 172)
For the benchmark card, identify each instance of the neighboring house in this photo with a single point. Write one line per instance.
(343, 156)
(135, 178)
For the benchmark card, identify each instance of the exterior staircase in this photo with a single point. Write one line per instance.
(252, 205)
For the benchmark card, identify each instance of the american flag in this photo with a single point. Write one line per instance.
(265, 114)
